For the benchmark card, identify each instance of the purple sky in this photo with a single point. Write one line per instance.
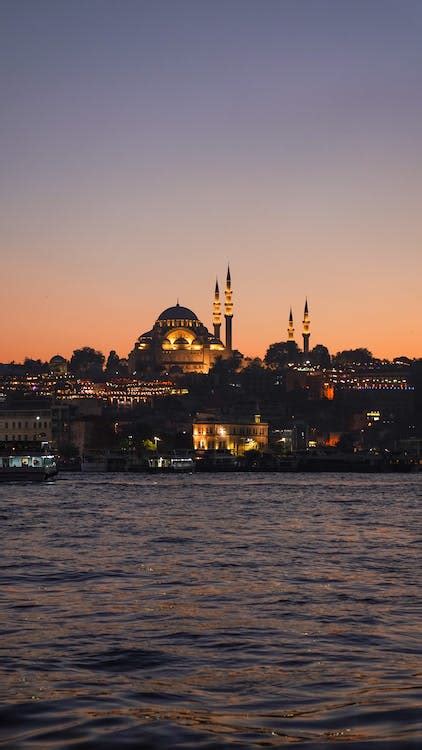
(145, 144)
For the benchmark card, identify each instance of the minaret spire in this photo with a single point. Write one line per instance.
(216, 311)
(290, 328)
(228, 311)
(306, 326)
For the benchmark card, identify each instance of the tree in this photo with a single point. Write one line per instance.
(226, 366)
(402, 361)
(255, 380)
(34, 366)
(282, 353)
(149, 445)
(115, 367)
(87, 362)
(360, 356)
(235, 360)
(320, 356)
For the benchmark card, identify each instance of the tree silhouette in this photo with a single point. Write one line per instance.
(87, 362)
(282, 353)
(360, 356)
(320, 356)
(113, 366)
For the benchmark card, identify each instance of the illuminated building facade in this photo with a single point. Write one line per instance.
(179, 342)
(235, 435)
(25, 425)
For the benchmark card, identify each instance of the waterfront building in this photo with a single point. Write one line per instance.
(232, 434)
(180, 342)
(24, 425)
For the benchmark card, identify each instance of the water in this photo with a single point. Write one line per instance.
(211, 611)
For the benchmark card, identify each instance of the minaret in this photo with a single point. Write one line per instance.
(290, 329)
(216, 311)
(228, 311)
(306, 333)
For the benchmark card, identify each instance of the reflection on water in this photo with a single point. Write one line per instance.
(205, 612)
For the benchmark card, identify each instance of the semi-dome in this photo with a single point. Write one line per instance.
(177, 313)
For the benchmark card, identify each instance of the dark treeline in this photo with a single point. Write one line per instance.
(90, 363)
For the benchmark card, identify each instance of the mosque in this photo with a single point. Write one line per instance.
(179, 342)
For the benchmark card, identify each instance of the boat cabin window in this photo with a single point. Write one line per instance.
(15, 461)
(37, 461)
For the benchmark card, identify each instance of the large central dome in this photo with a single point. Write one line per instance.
(177, 313)
(179, 342)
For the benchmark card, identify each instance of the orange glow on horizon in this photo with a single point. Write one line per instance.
(64, 319)
(145, 149)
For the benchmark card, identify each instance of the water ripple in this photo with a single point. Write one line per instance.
(211, 612)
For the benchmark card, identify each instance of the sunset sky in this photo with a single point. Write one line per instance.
(146, 143)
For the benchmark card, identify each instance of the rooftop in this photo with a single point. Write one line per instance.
(178, 312)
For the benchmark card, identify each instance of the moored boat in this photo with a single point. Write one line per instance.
(184, 464)
(27, 466)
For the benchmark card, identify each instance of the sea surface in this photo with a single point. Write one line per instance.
(211, 611)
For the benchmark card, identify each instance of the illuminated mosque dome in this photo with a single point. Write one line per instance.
(177, 313)
(180, 342)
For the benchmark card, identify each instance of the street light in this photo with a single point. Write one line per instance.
(156, 441)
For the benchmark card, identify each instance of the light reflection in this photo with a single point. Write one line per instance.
(274, 606)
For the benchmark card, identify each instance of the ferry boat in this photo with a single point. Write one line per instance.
(29, 464)
(171, 464)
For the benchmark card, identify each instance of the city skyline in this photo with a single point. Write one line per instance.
(146, 146)
(99, 336)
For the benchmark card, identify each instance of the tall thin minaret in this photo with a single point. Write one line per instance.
(216, 311)
(306, 332)
(228, 311)
(290, 328)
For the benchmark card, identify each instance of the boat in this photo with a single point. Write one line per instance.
(184, 464)
(27, 465)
